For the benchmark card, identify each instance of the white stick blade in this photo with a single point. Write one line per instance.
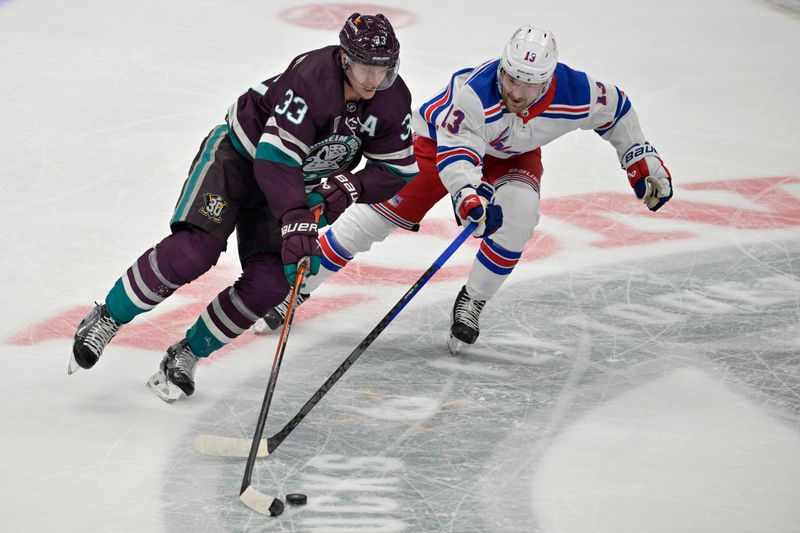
(261, 503)
(218, 446)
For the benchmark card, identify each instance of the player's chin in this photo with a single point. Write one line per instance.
(367, 92)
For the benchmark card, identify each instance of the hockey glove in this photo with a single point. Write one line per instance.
(477, 205)
(650, 179)
(335, 195)
(300, 242)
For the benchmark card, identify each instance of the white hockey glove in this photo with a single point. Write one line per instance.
(477, 205)
(650, 179)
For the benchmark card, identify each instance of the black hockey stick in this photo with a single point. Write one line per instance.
(233, 447)
(249, 495)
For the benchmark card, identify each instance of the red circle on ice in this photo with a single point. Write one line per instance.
(332, 16)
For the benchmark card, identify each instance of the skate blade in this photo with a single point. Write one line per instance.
(454, 345)
(161, 387)
(73, 365)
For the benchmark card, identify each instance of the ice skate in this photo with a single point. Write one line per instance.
(93, 334)
(274, 318)
(464, 328)
(175, 377)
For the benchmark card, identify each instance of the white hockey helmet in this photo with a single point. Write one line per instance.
(531, 55)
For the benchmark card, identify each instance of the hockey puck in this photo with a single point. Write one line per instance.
(296, 499)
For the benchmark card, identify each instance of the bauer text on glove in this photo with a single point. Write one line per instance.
(335, 195)
(650, 179)
(299, 241)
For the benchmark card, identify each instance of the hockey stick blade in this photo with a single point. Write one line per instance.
(218, 446)
(260, 502)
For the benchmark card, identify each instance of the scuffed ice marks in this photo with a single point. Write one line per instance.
(414, 440)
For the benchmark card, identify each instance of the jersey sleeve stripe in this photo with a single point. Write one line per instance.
(569, 116)
(439, 100)
(494, 113)
(404, 171)
(237, 132)
(446, 155)
(272, 149)
(623, 106)
(448, 151)
(480, 69)
(400, 154)
(272, 127)
(442, 163)
(398, 221)
(568, 108)
(431, 109)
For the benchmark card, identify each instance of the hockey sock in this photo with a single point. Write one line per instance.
(262, 286)
(491, 268)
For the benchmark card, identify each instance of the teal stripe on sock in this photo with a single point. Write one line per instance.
(202, 342)
(198, 173)
(119, 306)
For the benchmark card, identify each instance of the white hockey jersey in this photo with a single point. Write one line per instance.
(468, 119)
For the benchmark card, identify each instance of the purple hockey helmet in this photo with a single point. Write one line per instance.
(370, 39)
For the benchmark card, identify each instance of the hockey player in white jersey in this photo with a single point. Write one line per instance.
(479, 140)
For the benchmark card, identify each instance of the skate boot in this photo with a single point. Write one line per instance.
(175, 377)
(94, 333)
(464, 328)
(273, 319)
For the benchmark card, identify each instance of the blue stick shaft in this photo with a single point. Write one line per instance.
(275, 440)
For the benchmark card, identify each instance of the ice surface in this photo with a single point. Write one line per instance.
(638, 373)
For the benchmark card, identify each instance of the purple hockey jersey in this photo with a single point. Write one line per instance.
(298, 129)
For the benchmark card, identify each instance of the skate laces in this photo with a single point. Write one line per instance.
(468, 311)
(185, 360)
(282, 307)
(101, 333)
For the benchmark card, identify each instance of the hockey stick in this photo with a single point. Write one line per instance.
(233, 447)
(249, 495)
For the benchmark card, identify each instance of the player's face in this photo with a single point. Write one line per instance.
(518, 95)
(365, 79)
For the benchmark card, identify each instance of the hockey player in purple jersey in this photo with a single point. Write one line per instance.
(300, 133)
(479, 140)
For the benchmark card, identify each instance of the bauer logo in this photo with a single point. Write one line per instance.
(298, 227)
(215, 204)
(348, 186)
(637, 152)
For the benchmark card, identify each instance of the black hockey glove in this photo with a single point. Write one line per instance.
(335, 195)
